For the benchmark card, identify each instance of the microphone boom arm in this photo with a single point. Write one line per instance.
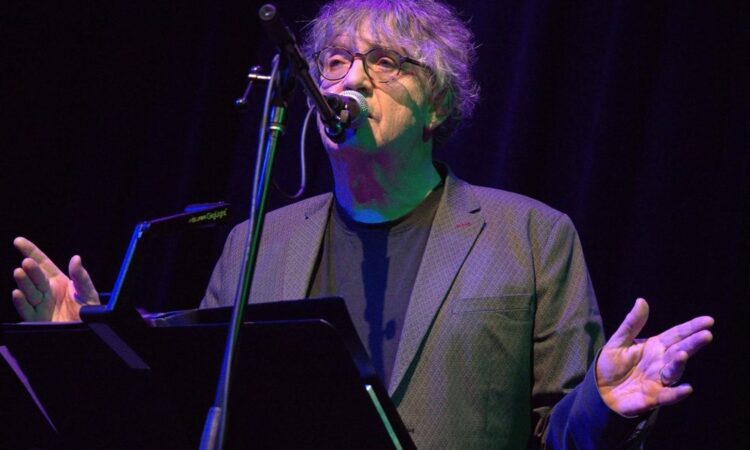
(287, 43)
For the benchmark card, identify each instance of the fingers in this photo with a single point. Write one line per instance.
(683, 331)
(25, 310)
(672, 395)
(678, 354)
(631, 326)
(31, 281)
(672, 372)
(34, 299)
(691, 344)
(29, 250)
(36, 275)
(85, 292)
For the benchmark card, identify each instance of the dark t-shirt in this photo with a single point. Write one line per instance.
(373, 267)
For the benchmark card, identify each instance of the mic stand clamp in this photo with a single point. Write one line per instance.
(253, 76)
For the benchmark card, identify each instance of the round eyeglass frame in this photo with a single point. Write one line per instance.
(399, 59)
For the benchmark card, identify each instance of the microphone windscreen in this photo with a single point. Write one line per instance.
(358, 109)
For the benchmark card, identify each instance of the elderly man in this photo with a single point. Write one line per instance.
(474, 303)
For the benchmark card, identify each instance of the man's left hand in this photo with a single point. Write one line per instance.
(635, 376)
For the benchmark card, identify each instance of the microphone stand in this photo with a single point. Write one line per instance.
(279, 89)
(287, 65)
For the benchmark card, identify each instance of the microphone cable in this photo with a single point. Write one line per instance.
(302, 159)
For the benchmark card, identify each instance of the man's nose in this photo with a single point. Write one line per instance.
(357, 79)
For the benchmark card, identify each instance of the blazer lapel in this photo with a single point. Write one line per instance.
(456, 226)
(302, 250)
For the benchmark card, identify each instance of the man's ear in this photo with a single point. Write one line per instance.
(439, 111)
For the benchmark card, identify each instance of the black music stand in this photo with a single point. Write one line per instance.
(302, 381)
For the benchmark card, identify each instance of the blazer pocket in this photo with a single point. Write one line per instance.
(499, 304)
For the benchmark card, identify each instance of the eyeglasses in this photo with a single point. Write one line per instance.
(380, 64)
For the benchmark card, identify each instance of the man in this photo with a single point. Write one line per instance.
(475, 304)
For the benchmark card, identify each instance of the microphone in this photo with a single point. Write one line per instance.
(350, 107)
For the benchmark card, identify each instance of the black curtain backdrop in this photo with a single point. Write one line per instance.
(630, 116)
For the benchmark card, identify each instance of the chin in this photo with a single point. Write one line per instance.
(360, 139)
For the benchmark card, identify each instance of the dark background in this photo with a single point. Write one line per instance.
(632, 117)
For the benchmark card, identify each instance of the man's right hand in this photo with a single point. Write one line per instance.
(44, 292)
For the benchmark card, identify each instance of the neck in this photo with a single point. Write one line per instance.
(377, 187)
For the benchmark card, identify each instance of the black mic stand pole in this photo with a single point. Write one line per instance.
(280, 87)
(281, 84)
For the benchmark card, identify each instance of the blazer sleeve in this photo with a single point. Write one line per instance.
(223, 283)
(568, 332)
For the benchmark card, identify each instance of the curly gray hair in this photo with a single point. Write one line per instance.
(429, 31)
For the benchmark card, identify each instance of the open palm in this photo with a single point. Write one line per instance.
(45, 293)
(637, 375)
